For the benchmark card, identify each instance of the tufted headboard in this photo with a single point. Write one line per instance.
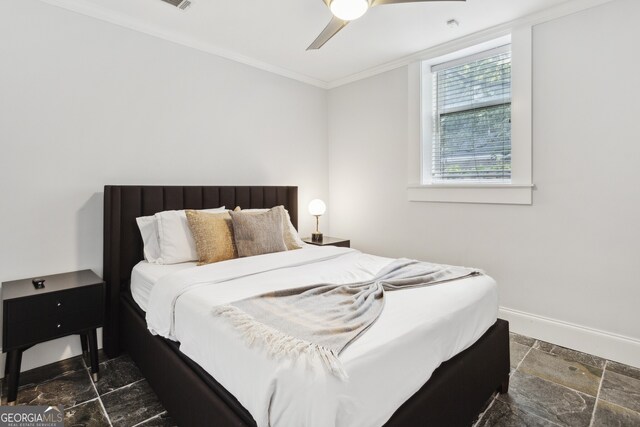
(122, 241)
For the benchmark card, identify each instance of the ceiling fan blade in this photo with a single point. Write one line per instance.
(329, 31)
(379, 2)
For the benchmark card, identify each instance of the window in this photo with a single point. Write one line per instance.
(470, 128)
(472, 118)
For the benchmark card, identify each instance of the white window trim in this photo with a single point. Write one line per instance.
(519, 191)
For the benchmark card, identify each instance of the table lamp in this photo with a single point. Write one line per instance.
(317, 208)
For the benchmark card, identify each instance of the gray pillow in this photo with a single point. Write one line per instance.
(257, 234)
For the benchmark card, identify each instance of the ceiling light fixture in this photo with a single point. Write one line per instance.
(345, 11)
(348, 10)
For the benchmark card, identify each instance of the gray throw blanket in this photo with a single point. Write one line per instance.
(322, 320)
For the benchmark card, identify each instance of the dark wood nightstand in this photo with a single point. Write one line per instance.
(70, 303)
(329, 241)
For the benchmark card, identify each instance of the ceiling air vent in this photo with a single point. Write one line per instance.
(180, 4)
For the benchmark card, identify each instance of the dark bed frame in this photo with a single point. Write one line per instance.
(453, 396)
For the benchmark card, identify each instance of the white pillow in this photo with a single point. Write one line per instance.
(291, 237)
(297, 241)
(174, 237)
(149, 231)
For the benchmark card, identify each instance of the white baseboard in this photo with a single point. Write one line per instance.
(600, 343)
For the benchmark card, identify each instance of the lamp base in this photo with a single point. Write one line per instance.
(316, 237)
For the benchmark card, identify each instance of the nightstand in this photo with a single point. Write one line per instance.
(68, 304)
(329, 241)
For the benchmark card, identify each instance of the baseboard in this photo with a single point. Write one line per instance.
(600, 343)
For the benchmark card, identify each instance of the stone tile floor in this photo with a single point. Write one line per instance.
(120, 398)
(556, 386)
(550, 386)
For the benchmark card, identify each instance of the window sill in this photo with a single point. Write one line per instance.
(504, 194)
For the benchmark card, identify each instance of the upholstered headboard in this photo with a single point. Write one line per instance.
(122, 241)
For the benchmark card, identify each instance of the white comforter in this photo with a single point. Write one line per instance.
(418, 329)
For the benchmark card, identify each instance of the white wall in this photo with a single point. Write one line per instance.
(567, 265)
(84, 103)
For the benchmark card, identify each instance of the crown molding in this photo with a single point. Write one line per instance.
(497, 31)
(83, 8)
(564, 9)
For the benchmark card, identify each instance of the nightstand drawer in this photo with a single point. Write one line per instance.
(54, 303)
(44, 328)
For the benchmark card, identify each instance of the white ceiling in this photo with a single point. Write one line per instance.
(277, 32)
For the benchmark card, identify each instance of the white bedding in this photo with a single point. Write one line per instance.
(418, 330)
(145, 275)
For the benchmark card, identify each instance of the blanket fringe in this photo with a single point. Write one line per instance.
(279, 344)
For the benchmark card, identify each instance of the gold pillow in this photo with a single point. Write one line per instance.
(213, 234)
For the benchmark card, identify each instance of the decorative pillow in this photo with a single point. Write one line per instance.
(174, 237)
(258, 233)
(291, 238)
(213, 234)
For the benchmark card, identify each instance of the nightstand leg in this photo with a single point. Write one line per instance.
(83, 343)
(14, 359)
(93, 353)
(7, 363)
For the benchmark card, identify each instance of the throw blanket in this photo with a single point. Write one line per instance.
(322, 320)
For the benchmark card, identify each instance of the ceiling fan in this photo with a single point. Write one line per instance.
(345, 11)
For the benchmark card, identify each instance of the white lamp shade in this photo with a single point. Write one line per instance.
(348, 10)
(317, 207)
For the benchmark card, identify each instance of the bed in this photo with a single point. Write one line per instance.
(180, 372)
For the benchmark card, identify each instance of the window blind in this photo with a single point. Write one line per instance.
(472, 118)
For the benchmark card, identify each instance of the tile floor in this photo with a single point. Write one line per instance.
(550, 386)
(555, 386)
(120, 398)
